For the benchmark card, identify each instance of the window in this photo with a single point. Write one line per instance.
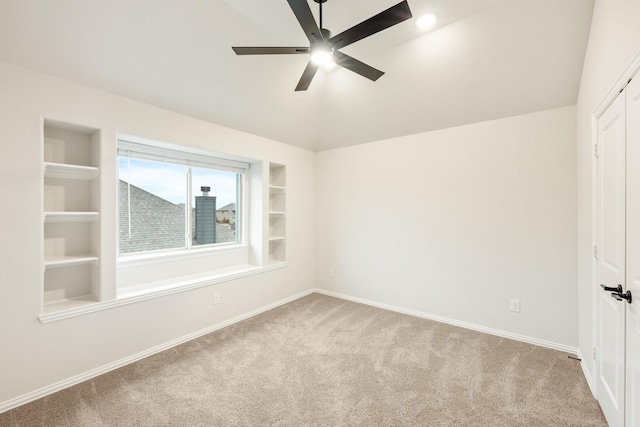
(175, 200)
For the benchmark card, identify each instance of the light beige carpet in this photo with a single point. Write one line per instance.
(322, 361)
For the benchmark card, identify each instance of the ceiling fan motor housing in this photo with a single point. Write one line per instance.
(326, 34)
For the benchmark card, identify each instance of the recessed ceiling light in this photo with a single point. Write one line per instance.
(426, 21)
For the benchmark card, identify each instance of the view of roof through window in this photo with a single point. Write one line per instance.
(153, 206)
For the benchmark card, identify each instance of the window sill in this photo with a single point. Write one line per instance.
(137, 260)
(156, 290)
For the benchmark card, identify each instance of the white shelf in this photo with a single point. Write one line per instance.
(277, 213)
(71, 216)
(66, 171)
(276, 238)
(276, 189)
(69, 261)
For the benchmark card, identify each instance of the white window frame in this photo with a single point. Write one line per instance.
(146, 149)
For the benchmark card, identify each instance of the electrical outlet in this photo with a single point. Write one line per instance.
(216, 298)
(331, 273)
(514, 305)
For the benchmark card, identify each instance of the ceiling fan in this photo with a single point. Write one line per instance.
(323, 48)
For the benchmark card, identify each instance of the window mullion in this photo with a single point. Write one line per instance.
(239, 203)
(189, 210)
(129, 196)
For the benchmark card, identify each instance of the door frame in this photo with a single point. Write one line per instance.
(632, 70)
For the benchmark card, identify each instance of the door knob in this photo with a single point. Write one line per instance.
(617, 289)
(620, 296)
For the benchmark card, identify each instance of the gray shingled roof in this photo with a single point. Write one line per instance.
(229, 207)
(156, 223)
(224, 233)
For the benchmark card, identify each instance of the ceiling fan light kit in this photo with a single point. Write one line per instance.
(329, 66)
(321, 54)
(324, 49)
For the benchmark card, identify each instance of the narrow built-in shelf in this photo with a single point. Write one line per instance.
(61, 170)
(70, 216)
(277, 214)
(71, 264)
(69, 261)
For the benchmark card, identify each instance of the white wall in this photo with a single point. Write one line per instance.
(33, 355)
(454, 223)
(614, 41)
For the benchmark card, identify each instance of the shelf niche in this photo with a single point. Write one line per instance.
(71, 222)
(277, 213)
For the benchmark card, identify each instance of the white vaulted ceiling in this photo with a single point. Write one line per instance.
(485, 59)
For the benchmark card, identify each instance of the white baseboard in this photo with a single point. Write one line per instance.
(466, 325)
(37, 394)
(587, 374)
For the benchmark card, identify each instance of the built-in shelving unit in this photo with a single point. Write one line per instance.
(70, 216)
(277, 213)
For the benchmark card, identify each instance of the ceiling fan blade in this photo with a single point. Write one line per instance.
(269, 50)
(356, 66)
(305, 17)
(390, 17)
(307, 76)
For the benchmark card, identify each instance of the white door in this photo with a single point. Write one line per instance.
(611, 262)
(633, 254)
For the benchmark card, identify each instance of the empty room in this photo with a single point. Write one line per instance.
(320, 213)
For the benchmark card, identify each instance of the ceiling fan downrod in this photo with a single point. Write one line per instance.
(324, 33)
(320, 5)
(321, 50)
